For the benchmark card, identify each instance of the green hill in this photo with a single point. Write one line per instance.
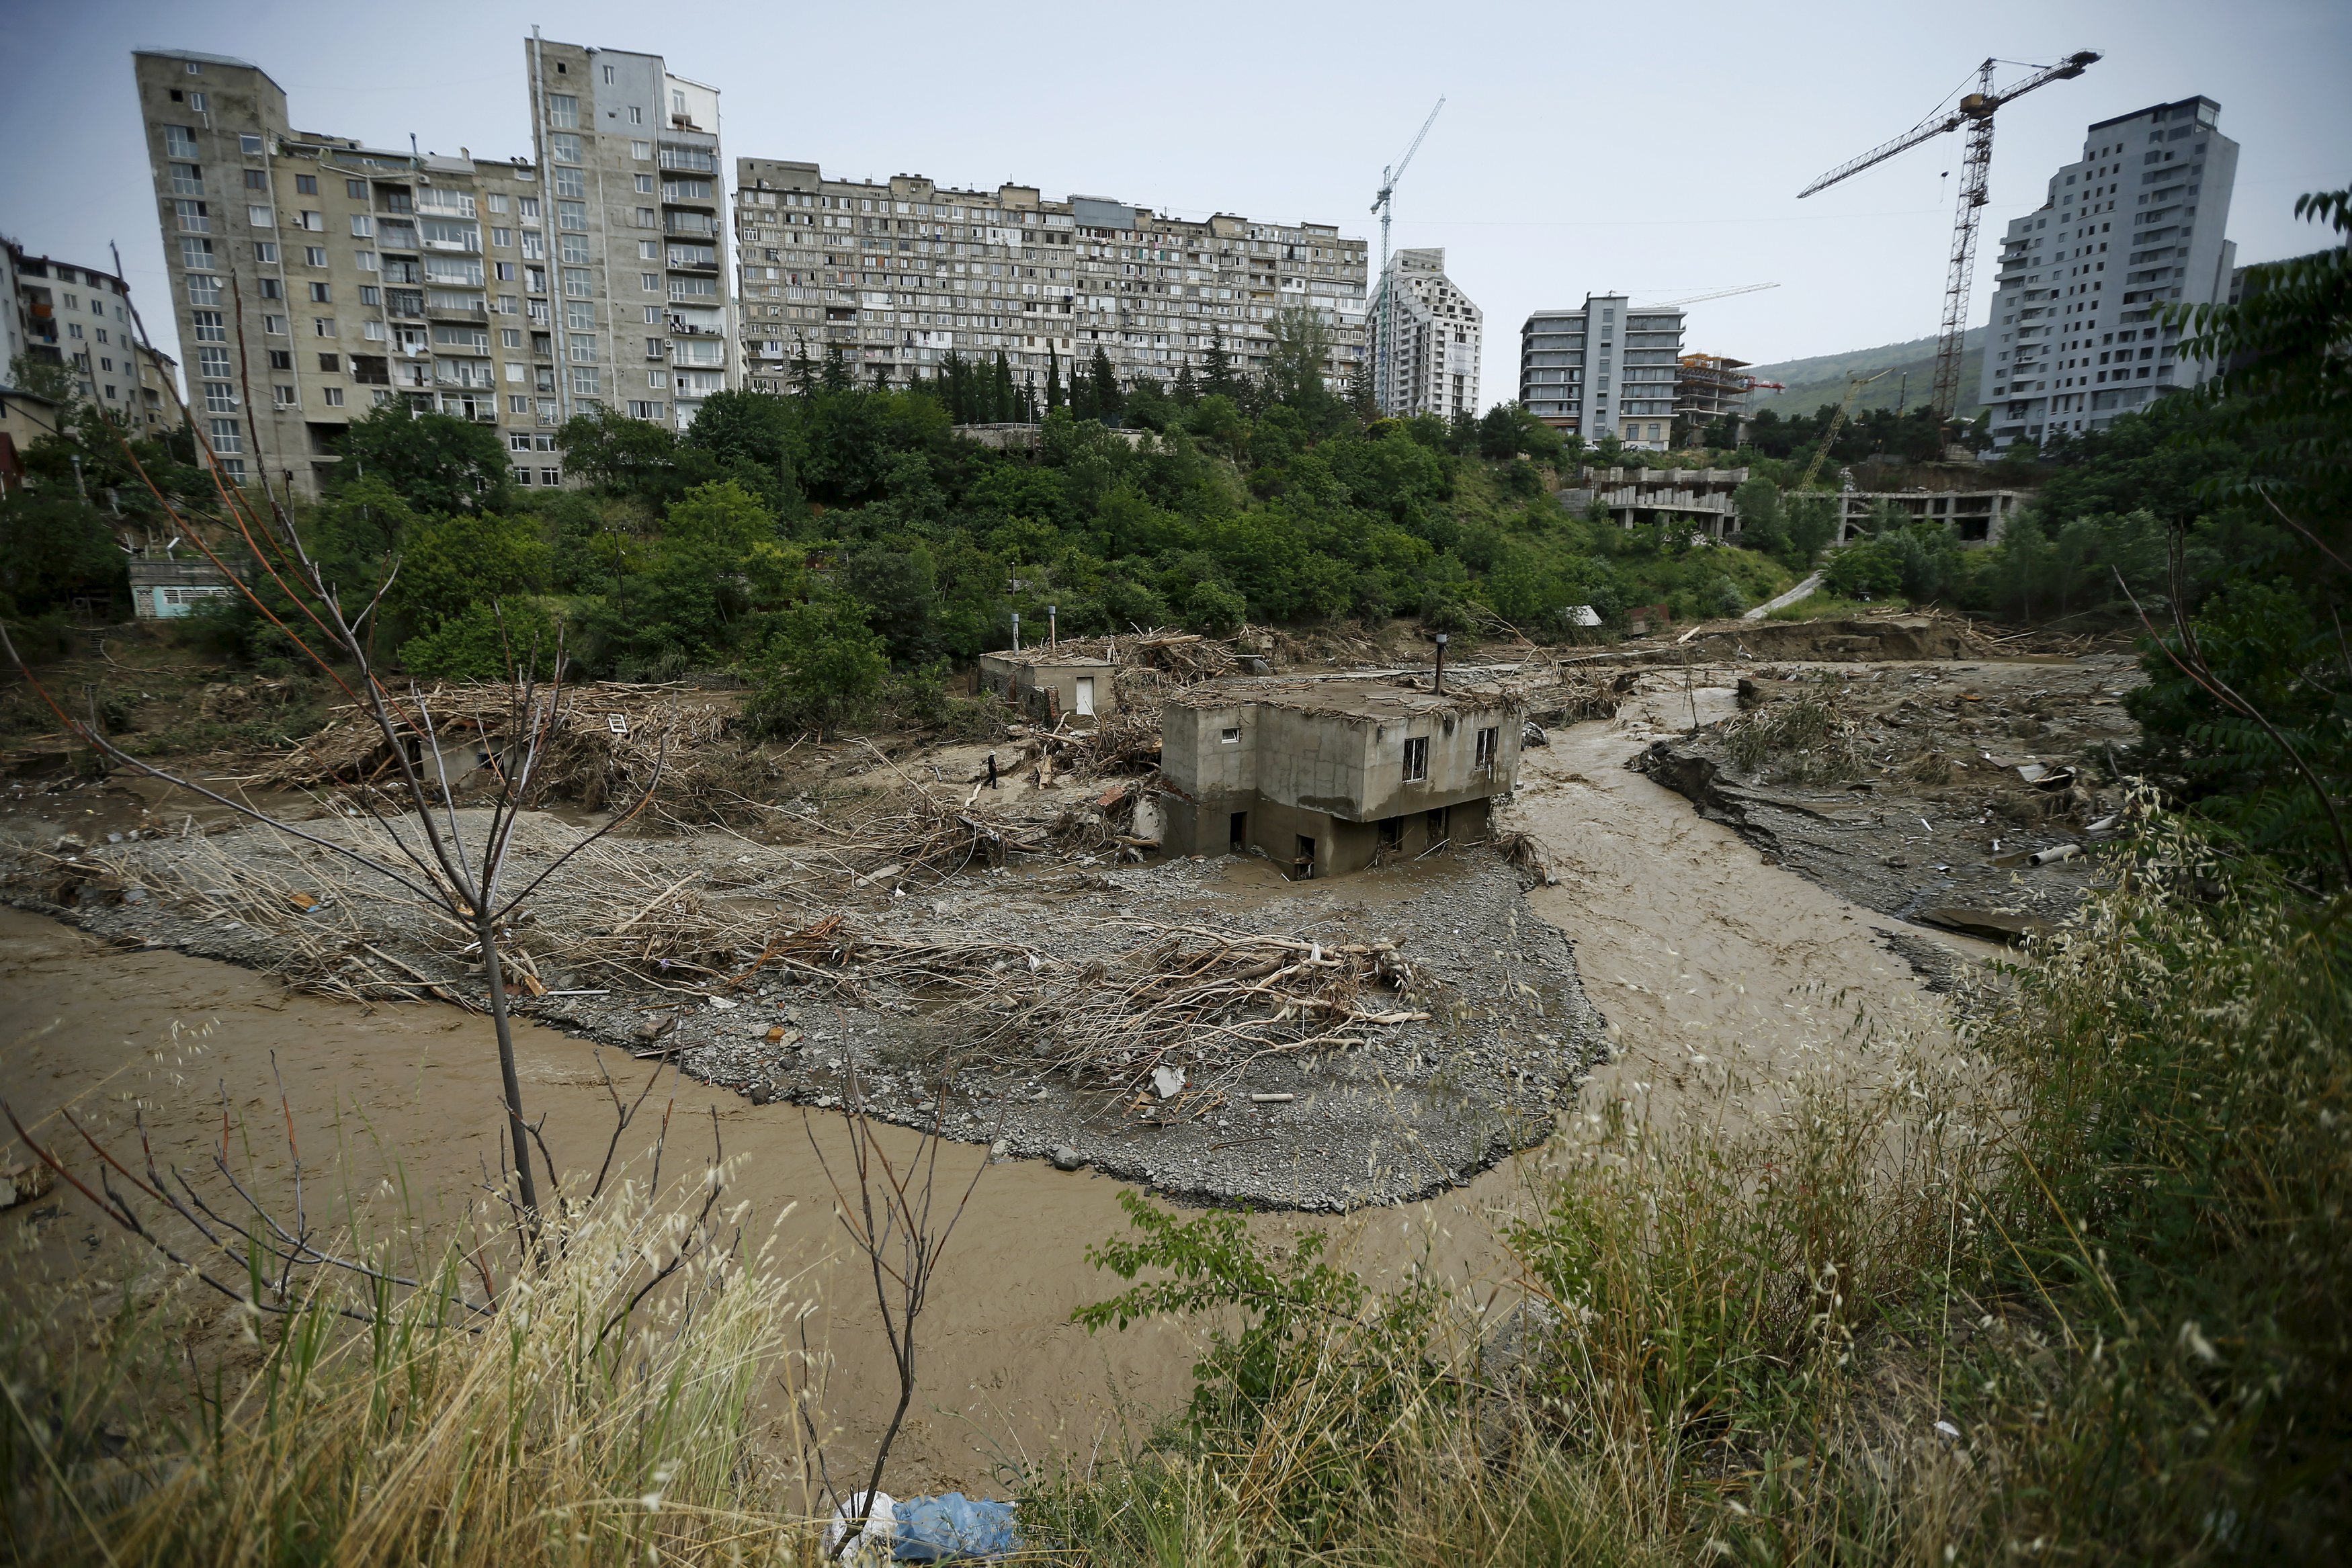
(1822, 379)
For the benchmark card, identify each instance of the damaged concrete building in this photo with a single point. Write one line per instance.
(1051, 684)
(1331, 775)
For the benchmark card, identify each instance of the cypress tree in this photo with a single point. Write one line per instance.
(1000, 391)
(1219, 381)
(1106, 400)
(1186, 392)
(1053, 398)
(803, 372)
(836, 375)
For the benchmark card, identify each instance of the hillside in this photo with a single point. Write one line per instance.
(1822, 379)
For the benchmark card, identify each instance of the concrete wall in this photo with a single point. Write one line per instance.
(1019, 681)
(1205, 828)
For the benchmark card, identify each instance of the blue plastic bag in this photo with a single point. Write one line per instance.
(953, 1526)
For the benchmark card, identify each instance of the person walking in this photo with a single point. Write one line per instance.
(991, 771)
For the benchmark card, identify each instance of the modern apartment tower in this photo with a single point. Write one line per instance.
(314, 277)
(2136, 222)
(1605, 369)
(1431, 363)
(894, 275)
(79, 318)
(633, 228)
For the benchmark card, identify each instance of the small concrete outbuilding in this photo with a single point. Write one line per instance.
(1331, 775)
(1049, 684)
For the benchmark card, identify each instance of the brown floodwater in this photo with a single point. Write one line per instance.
(1700, 955)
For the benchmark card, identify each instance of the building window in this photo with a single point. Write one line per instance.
(334, 397)
(306, 185)
(1231, 735)
(265, 251)
(1416, 758)
(180, 141)
(555, 475)
(1489, 742)
(563, 111)
(576, 281)
(636, 114)
(250, 145)
(611, 74)
(220, 397)
(320, 293)
(641, 150)
(330, 364)
(272, 288)
(226, 437)
(583, 381)
(583, 351)
(322, 326)
(210, 327)
(281, 359)
(284, 396)
(572, 216)
(193, 217)
(314, 255)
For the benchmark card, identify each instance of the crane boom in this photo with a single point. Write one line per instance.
(1975, 112)
(1697, 299)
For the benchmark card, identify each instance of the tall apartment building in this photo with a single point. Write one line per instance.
(79, 318)
(2145, 208)
(1605, 369)
(896, 274)
(635, 228)
(313, 277)
(1432, 366)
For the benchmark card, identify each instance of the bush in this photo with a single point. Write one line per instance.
(825, 669)
(1214, 610)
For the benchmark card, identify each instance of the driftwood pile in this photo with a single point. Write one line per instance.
(603, 746)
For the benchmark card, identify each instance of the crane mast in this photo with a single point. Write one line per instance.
(1974, 113)
(1382, 392)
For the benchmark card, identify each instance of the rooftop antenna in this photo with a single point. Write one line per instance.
(1383, 205)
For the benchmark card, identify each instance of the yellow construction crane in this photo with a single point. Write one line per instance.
(1852, 384)
(1974, 111)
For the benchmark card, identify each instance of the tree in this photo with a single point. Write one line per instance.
(437, 462)
(1104, 390)
(450, 562)
(825, 669)
(1186, 391)
(1217, 379)
(53, 546)
(1293, 366)
(50, 379)
(1053, 397)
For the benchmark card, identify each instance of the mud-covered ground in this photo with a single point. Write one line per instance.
(1969, 794)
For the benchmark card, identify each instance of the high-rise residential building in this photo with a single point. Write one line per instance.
(313, 277)
(634, 230)
(2136, 222)
(79, 318)
(896, 274)
(1431, 364)
(1605, 369)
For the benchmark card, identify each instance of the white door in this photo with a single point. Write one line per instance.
(1085, 696)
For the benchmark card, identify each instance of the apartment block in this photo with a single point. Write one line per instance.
(79, 317)
(314, 277)
(1605, 369)
(896, 274)
(1431, 364)
(635, 229)
(2136, 222)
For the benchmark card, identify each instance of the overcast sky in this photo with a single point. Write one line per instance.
(1652, 149)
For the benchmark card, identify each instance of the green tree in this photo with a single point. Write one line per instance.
(450, 562)
(826, 668)
(437, 462)
(1217, 369)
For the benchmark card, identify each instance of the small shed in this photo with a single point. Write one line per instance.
(164, 590)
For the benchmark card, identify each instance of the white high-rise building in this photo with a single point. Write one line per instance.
(2136, 222)
(1431, 363)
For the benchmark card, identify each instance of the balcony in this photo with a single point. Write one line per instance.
(478, 315)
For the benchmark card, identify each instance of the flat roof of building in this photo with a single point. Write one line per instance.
(1386, 694)
(202, 58)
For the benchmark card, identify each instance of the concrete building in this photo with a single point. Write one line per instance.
(1076, 682)
(1709, 388)
(314, 278)
(895, 274)
(1974, 517)
(2136, 222)
(79, 318)
(636, 228)
(1604, 369)
(1433, 365)
(1328, 775)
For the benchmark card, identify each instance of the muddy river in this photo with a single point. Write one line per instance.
(1701, 957)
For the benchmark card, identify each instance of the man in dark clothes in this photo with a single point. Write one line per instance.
(991, 771)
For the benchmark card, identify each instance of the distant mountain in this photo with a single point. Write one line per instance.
(1822, 379)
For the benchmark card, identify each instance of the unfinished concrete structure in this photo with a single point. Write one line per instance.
(1331, 775)
(1049, 684)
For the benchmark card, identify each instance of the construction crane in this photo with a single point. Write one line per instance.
(1852, 384)
(1975, 112)
(1383, 205)
(1697, 299)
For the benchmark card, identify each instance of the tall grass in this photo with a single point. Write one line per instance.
(568, 1430)
(2074, 1291)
